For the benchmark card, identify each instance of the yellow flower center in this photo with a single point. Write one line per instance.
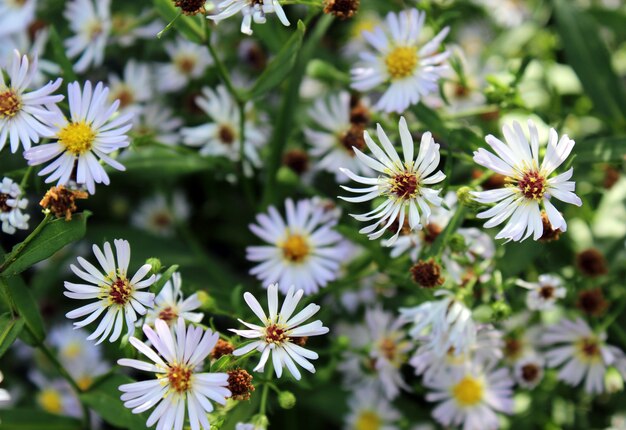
(84, 382)
(124, 94)
(468, 392)
(401, 61)
(50, 400)
(295, 248)
(72, 350)
(179, 378)
(10, 104)
(77, 137)
(368, 420)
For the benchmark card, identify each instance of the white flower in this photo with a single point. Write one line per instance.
(133, 89)
(55, 396)
(448, 323)
(251, 10)
(159, 123)
(302, 251)
(333, 145)
(115, 293)
(26, 116)
(528, 183)
(583, 354)
(544, 293)
(410, 69)
(471, 397)
(188, 61)
(158, 216)
(16, 15)
(90, 22)
(404, 184)
(11, 205)
(221, 137)
(280, 332)
(178, 385)
(370, 410)
(169, 305)
(34, 48)
(379, 350)
(92, 132)
(528, 371)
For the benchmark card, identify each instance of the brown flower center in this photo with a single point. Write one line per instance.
(275, 333)
(405, 185)
(120, 291)
(427, 273)
(168, 314)
(546, 292)
(226, 134)
(185, 64)
(512, 348)
(388, 348)
(530, 372)
(532, 185)
(10, 104)
(589, 349)
(179, 378)
(4, 207)
(353, 137)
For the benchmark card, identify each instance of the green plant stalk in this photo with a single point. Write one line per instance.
(24, 180)
(169, 26)
(219, 66)
(266, 388)
(245, 183)
(16, 253)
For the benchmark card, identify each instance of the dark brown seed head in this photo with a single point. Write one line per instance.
(240, 384)
(297, 160)
(427, 273)
(62, 201)
(591, 263)
(592, 302)
(342, 9)
(190, 7)
(222, 348)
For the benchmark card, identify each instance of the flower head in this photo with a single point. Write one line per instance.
(544, 293)
(16, 16)
(528, 183)
(400, 61)
(11, 206)
(188, 61)
(403, 183)
(92, 132)
(176, 358)
(169, 304)
(113, 291)
(251, 10)
(280, 332)
(90, 21)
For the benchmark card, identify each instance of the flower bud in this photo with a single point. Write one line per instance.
(286, 400)
(613, 380)
(156, 265)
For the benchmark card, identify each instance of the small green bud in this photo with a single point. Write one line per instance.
(501, 310)
(156, 265)
(343, 341)
(456, 242)
(207, 302)
(260, 422)
(287, 176)
(613, 380)
(286, 400)
(465, 197)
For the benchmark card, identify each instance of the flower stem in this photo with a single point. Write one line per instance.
(24, 180)
(266, 388)
(16, 253)
(219, 66)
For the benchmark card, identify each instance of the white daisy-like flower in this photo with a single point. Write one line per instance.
(404, 184)
(544, 293)
(177, 356)
(158, 122)
(448, 323)
(221, 138)
(410, 69)
(188, 61)
(529, 185)
(11, 206)
(251, 10)
(133, 89)
(55, 396)
(16, 15)
(471, 398)
(583, 354)
(92, 132)
(160, 216)
(302, 251)
(386, 351)
(370, 410)
(280, 332)
(26, 116)
(119, 296)
(528, 371)
(90, 21)
(169, 304)
(332, 145)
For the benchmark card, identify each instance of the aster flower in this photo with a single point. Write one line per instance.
(404, 184)
(26, 116)
(583, 354)
(176, 358)
(55, 396)
(471, 397)
(333, 144)
(251, 10)
(221, 136)
(169, 304)
(16, 15)
(11, 206)
(133, 89)
(302, 251)
(410, 69)
(90, 21)
(544, 293)
(159, 123)
(280, 332)
(115, 293)
(34, 48)
(529, 185)
(370, 410)
(160, 217)
(188, 61)
(92, 132)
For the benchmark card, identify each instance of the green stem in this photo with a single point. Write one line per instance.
(24, 180)
(219, 66)
(168, 27)
(16, 253)
(266, 388)
(245, 183)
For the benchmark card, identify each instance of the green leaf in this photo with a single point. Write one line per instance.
(43, 243)
(58, 53)
(189, 26)
(150, 161)
(104, 398)
(10, 327)
(35, 419)
(591, 60)
(158, 285)
(280, 67)
(601, 150)
(22, 302)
